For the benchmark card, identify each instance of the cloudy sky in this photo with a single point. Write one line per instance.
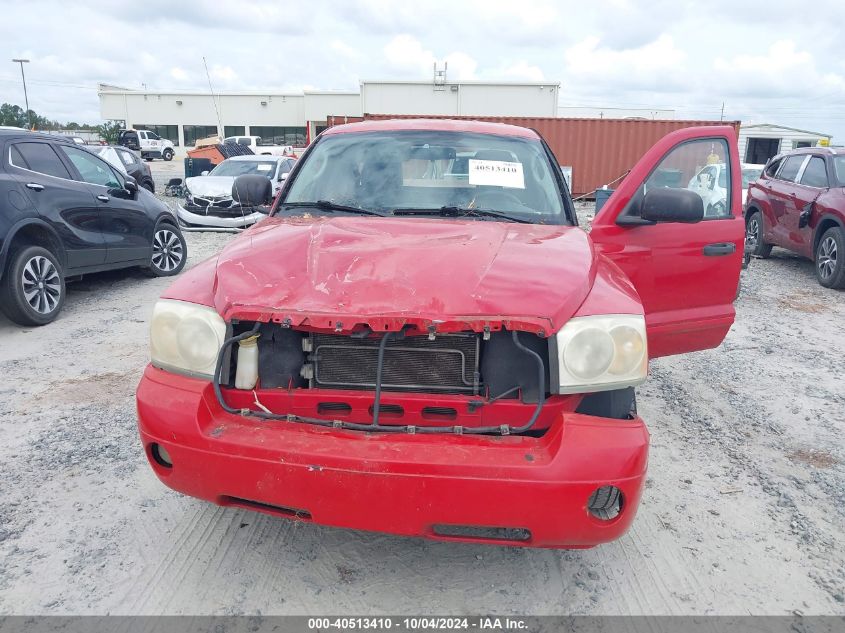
(767, 60)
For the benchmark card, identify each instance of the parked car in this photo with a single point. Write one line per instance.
(65, 212)
(208, 198)
(149, 144)
(711, 184)
(401, 350)
(128, 162)
(260, 147)
(799, 204)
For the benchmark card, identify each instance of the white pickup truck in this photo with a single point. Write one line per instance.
(149, 144)
(254, 143)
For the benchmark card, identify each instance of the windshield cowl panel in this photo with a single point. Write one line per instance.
(431, 170)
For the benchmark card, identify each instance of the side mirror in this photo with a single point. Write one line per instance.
(667, 204)
(283, 176)
(204, 173)
(131, 185)
(251, 190)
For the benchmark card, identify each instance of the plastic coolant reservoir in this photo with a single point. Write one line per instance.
(247, 373)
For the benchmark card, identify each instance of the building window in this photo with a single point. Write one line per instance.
(170, 132)
(195, 132)
(800, 144)
(234, 130)
(279, 135)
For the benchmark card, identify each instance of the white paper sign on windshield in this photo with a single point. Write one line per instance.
(496, 173)
(265, 167)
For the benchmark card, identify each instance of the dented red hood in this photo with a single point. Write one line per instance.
(385, 271)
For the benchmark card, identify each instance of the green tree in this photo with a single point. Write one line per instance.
(109, 131)
(13, 115)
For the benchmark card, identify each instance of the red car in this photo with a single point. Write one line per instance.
(420, 340)
(798, 203)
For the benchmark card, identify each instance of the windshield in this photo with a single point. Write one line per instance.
(241, 167)
(429, 170)
(749, 176)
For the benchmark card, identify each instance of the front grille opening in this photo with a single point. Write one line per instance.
(292, 513)
(520, 535)
(439, 413)
(388, 411)
(334, 408)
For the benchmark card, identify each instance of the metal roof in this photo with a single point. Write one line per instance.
(784, 127)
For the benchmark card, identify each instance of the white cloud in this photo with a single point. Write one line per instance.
(763, 61)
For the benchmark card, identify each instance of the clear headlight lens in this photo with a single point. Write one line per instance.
(599, 353)
(186, 337)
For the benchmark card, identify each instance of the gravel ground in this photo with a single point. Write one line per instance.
(742, 513)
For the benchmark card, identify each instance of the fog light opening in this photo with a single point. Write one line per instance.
(161, 456)
(605, 503)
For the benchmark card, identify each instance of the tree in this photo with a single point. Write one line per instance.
(13, 115)
(109, 131)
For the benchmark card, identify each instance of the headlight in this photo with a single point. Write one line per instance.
(186, 337)
(599, 353)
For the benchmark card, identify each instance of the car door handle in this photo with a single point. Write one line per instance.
(723, 248)
(34, 186)
(103, 198)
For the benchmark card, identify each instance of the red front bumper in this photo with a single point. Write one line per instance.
(396, 483)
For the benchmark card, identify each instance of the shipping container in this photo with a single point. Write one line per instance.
(600, 151)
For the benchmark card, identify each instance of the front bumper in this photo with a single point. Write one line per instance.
(399, 484)
(190, 219)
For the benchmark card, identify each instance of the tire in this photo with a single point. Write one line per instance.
(830, 258)
(148, 159)
(149, 187)
(754, 242)
(169, 251)
(167, 155)
(33, 288)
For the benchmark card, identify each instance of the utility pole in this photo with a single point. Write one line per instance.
(722, 116)
(25, 97)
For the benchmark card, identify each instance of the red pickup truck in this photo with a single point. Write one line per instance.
(420, 340)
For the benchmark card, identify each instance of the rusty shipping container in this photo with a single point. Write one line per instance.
(600, 151)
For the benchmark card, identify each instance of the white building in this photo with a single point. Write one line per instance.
(184, 117)
(460, 98)
(289, 118)
(759, 142)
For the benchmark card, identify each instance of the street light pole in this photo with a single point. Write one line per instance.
(25, 97)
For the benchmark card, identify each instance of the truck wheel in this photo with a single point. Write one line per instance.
(33, 288)
(830, 258)
(149, 186)
(169, 251)
(167, 154)
(754, 242)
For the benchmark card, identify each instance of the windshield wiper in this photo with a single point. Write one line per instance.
(458, 212)
(328, 205)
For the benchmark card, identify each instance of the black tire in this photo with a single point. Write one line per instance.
(169, 251)
(167, 155)
(148, 159)
(149, 187)
(754, 242)
(33, 288)
(605, 503)
(830, 258)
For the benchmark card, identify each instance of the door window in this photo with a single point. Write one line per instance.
(694, 165)
(790, 168)
(815, 174)
(40, 157)
(92, 169)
